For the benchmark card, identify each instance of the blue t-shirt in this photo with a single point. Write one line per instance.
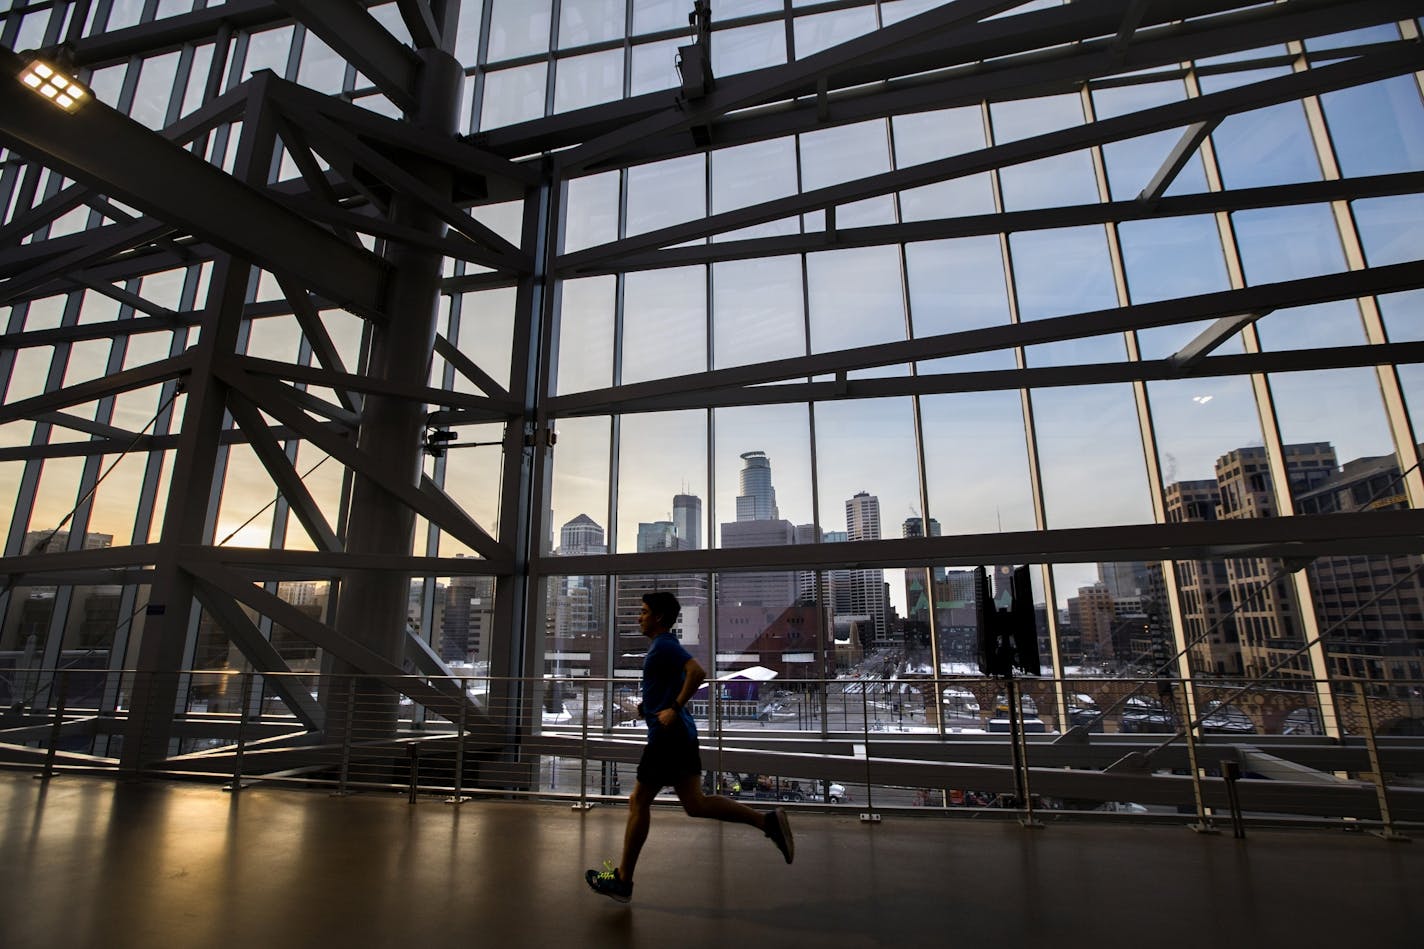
(664, 672)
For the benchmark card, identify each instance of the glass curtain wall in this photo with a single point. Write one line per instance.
(965, 406)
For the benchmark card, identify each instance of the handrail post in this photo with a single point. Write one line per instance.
(868, 816)
(57, 727)
(1387, 832)
(583, 803)
(245, 697)
(460, 723)
(1203, 824)
(350, 719)
(1019, 741)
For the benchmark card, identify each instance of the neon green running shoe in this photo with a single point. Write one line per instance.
(609, 883)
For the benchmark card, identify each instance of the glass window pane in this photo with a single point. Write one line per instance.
(930, 136)
(748, 47)
(1090, 455)
(268, 50)
(1377, 128)
(588, 80)
(1390, 228)
(1403, 315)
(665, 193)
(849, 153)
(664, 323)
(155, 87)
(660, 455)
(757, 311)
(590, 21)
(487, 331)
(823, 30)
(472, 479)
(1196, 422)
(513, 95)
(586, 334)
(1336, 323)
(1177, 258)
(1268, 146)
(976, 462)
(652, 16)
(1133, 162)
(1287, 243)
(763, 458)
(750, 174)
(1064, 271)
(855, 298)
(518, 28)
(958, 285)
(579, 495)
(1337, 418)
(591, 211)
(321, 68)
(655, 67)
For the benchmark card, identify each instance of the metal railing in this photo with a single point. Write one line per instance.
(1152, 749)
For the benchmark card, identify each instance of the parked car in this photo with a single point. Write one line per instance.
(1144, 714)
(1302, 721)
(960, 702)
(1031, 726)
(1083, 710)
(1026, 705)
(1226, 720)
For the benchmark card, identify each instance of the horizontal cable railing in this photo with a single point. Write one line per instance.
(1152, 748)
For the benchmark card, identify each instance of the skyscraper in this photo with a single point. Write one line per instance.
(867, 587)
(657, 535)
(757, 500)
(687, 520)
(757, 525)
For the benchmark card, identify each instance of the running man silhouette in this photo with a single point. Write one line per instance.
(670, 678)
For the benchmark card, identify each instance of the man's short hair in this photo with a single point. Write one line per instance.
(663, 605)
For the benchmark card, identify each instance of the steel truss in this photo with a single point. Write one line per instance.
(379, 206)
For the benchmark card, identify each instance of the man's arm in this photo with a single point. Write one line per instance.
(693, 677)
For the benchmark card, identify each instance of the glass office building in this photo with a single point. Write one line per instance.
(419, 340)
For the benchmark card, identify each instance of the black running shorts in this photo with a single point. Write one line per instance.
(670, 756)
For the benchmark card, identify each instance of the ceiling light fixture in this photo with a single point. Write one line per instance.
(65, 92)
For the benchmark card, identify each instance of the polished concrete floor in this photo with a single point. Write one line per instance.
(91, 863)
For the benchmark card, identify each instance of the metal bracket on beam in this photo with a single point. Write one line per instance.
(1177, 159)
(1213, 336)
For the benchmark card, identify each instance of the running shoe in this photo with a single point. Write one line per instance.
(778, 828)
(609, 883)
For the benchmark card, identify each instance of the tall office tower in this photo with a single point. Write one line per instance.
(658, 535)
(867, 587)
(806, 589)
(1375, 602)
(469, 616)
(915, 527)
(582, 535)
(757, 500)
(579, 603)
(915, 583)
(687, 519)
(770, 589)
(1207, 618)
(1091, 614)
(1124, 579)
(1267, 614)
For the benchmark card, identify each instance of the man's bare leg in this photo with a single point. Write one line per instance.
(640, 805)
(714, 806)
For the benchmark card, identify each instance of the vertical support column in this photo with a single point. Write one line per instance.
(185, 521)
(517, 647)
(373, 612)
